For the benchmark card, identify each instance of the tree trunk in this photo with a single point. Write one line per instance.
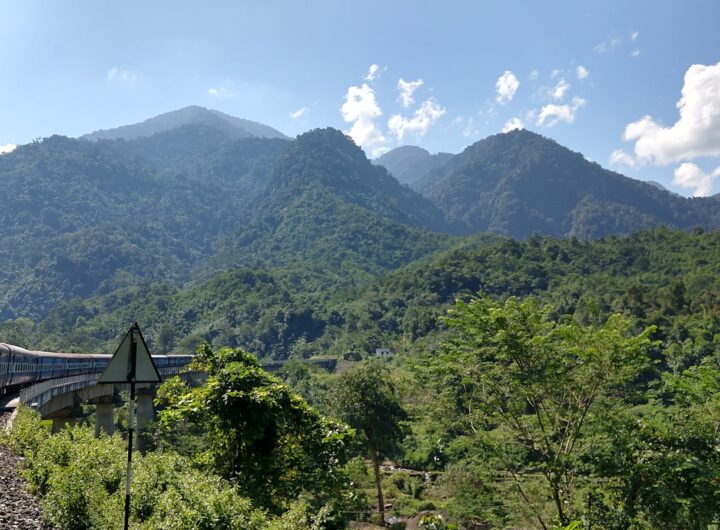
(381, 501)
(555, 487)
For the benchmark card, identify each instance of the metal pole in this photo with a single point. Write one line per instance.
(131, 425)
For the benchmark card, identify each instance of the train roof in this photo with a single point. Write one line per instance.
(68, 355)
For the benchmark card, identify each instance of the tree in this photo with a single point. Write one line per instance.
(533, 382)
(258, 434)
(662, 458)
(365, 397)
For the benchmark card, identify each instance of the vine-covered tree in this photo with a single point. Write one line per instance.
(258, 434)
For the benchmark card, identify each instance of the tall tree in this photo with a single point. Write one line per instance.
(534, 382)
(365, 397)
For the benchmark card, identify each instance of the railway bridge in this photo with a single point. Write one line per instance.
(57, 384)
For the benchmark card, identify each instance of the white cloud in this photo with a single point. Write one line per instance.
(507, 84)
(688, 175)
(406, 89)
(427, 114)
(559, 91)
(511, 125)
(607, 45)
(7, 148)
(582, 72)
(635, 53)
(299, 113)
(361, 109)
(468, 126)
(120, 76)
(621, 158)
(224, 91)
(553, 114)
(534, 75)
(555, 73)
(696, 133)
(373, 72)
(634, 35)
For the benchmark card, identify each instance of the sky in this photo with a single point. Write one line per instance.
(634, 86)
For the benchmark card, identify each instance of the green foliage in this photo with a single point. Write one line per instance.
(80, 480)
(435, 522)
(509, 369)
(661, 462)
(561, 395)
(365, 397)
(260, 436)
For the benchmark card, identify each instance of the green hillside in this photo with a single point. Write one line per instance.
(520, 183)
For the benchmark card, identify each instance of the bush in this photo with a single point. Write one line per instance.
(81, 478)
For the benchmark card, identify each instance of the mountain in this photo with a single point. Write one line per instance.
(231, 126)
(410, 163)
(82, 218)
(520, 183)
(326, 203)
(87, 218)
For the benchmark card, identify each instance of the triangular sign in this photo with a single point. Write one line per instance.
(131, 363)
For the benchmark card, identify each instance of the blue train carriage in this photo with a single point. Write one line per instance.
(4, 367)
(52, 365)
(22, 366)
(170, 365)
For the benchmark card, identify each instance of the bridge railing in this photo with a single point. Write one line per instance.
(41, 393)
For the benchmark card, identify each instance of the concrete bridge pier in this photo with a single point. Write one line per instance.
(145, 413)
(104, 419)
(65, 418)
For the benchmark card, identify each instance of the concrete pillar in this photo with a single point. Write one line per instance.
(58, 424)
(65, 417)
(145, 412)
(104, 420)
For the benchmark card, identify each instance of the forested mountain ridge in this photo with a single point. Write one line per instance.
(326, 203)
(653, 276)
(520, 183)
(328, 158)
(410, 163)
(192, 115)
(83, 218)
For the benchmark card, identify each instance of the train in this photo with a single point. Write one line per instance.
(20, 367)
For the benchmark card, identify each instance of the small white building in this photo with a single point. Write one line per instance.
(383, 352)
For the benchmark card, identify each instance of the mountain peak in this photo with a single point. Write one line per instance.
(409, 163)
(191, 115)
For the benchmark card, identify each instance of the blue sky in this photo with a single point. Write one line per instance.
(603, 78)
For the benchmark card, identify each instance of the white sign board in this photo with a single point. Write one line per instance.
(132, 362)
